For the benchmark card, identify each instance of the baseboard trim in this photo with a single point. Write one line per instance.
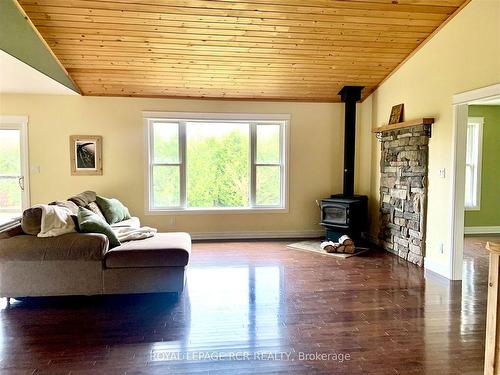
(436, 277)
(436, 268)
(482, 230)
(256, 235)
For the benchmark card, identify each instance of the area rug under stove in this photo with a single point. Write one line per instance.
(314, 247)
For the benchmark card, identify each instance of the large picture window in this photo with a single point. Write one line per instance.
(216, 162)
(473, 163)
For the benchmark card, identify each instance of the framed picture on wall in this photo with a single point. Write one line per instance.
(86, 155)
(396, 114)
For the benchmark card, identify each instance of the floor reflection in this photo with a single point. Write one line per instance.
(233, 304)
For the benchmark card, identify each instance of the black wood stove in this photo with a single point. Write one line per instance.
(346, 213)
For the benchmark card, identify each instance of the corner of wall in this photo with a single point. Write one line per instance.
(366, 178)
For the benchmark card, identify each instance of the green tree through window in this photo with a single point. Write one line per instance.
(217, 165)
(10, 165)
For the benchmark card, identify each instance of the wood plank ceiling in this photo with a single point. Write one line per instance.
(248, 49)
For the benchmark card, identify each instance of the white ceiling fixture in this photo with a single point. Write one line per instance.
(20, 78)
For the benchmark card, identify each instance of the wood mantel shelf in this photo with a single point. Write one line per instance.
(404, 124)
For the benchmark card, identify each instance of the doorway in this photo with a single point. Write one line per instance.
(14, 176)
(464, 169)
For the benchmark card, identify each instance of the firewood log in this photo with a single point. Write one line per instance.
(346, 240)
(330, 248)
(350, 249)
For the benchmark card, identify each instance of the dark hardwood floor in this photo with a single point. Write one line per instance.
(258, 307)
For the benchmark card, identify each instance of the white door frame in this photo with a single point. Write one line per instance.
(21, 123)
(459, 141)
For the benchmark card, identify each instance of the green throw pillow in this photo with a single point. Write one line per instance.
(89, 222)
(112, 209)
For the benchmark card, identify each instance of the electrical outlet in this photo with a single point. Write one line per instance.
(442, 173)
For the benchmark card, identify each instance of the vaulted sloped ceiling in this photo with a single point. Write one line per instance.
(26, 63)
(249, 49)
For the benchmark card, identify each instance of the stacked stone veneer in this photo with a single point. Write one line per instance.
(403, 192)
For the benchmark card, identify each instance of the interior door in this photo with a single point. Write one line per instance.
(14, 195)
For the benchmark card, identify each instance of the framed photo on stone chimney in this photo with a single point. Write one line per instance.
(86, 155)
(396, 114)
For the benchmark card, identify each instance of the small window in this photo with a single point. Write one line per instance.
(14, 183)
(166, 164)
(216, 162)
(473, 163)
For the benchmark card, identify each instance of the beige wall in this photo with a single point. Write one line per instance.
(464, 55)
(316, 155)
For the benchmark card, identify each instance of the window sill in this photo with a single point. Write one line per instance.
(477, 208)
(218, 211)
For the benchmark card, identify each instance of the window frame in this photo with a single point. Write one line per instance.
(479, 122)
(19, 123)
(149, 118)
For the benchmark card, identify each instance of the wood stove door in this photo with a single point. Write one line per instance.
(335, 214)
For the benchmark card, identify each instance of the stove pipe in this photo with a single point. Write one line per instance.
(349, 95)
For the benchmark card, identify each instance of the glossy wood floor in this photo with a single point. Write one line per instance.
(259, 307)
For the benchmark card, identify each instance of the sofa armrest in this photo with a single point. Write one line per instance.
(71, 246)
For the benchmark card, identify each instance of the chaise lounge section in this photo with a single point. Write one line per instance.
(151, 265)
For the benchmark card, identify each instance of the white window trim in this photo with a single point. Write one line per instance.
(183, 116)
(480, 122)
(20, 123)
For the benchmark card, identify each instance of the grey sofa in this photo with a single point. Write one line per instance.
(83, 264)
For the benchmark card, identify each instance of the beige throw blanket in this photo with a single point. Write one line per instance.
(132, 233)
(56, 220)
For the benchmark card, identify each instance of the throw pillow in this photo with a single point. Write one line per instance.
(92, 206)
(82, 199)
(114, 211)
(89, 222)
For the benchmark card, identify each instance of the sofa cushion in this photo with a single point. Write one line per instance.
(114, 211)
(162, 250)
(83, 199)
(71, 246)
(89, 222)
(32, 221)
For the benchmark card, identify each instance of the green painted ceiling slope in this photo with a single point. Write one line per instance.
(18, 39)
